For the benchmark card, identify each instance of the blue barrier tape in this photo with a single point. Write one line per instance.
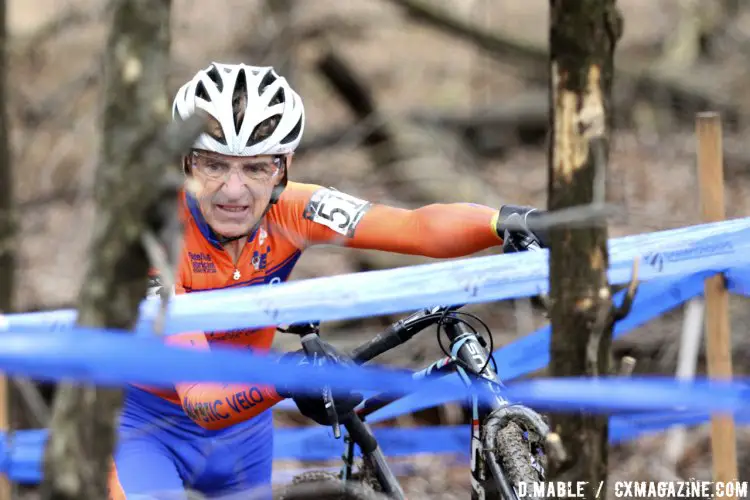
(87, 355)
(532, 352)
(22, 451)
(632, 394)
(712, 247)
(319, 444)
(107, 358)
(738, 280)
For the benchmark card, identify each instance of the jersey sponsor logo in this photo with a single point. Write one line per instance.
(211, 411)
(202, 262)
(336, 210)
(260, 259)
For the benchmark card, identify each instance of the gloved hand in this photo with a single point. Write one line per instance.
(512, 225)
(312, 405)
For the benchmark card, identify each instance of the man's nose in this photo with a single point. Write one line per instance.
(234, 184)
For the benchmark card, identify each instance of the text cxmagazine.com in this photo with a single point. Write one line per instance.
(634, 489)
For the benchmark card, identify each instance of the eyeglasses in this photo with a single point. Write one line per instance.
(221, 168)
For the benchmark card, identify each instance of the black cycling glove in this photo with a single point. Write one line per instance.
(512, 227)
(312, 405)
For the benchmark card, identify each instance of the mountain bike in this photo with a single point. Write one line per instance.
(507, 441)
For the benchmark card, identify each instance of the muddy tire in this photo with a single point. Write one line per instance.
(325, 485)
(521, 455)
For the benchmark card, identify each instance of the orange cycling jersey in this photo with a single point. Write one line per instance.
(305, 215)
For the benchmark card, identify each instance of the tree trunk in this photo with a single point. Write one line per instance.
(129, 183)
(7, 233)
(583, 35)
(7, 212)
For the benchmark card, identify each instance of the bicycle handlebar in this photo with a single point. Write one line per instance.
(399, 333)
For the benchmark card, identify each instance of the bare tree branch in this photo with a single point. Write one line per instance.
(527, 57)
(623, 310)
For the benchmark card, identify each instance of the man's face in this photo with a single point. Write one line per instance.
(233, 191)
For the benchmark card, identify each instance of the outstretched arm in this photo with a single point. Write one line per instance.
(319, 215)
(438, 230)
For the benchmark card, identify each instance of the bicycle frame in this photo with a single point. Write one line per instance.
(469, 358)
(465, 348)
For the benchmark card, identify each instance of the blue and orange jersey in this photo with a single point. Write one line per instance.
(305, 215)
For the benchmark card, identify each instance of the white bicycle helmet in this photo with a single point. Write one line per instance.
(254, 110)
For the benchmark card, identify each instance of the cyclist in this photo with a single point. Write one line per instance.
(247, 225)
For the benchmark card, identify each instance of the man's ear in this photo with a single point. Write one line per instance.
(186, 165)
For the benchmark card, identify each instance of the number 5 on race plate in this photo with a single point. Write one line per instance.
(336, 210)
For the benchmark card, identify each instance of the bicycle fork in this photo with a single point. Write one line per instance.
(473, 358)
(360, 434)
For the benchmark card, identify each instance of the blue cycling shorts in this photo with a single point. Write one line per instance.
(161, 453)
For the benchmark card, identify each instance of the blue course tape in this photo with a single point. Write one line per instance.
(22, 452)
(634, 394)
(714, 247)
(532, 352)
(738, 280)
(115, 359)
(318, 443)
(110, 358)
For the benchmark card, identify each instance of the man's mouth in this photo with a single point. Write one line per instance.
(233, 209)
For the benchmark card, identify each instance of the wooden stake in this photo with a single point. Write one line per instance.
(718, 339)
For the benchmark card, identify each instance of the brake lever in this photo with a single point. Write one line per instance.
(333, 417)
(312, 347)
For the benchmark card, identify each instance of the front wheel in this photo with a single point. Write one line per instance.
(521, 455)
(326, 486)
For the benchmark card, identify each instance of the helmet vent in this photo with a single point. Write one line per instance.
(278, 98)
(293, 134)
(268, 79)
(239, 100)
(263, 130)
(213, 74)
(201, 92)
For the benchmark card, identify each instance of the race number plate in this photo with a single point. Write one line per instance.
(336, 210)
